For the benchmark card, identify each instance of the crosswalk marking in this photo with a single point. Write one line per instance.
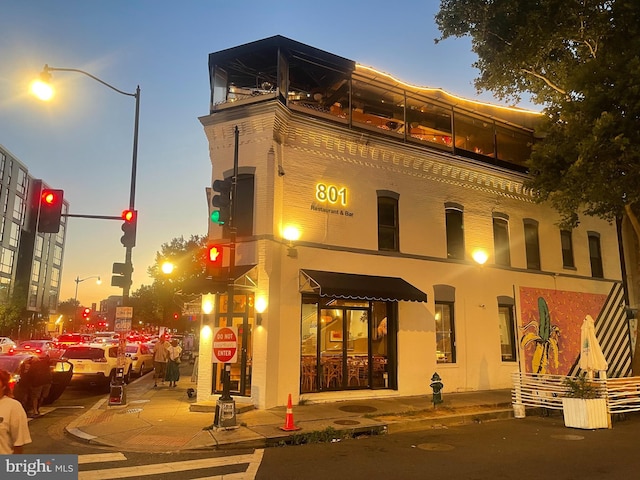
(253, 460)
(100, 457)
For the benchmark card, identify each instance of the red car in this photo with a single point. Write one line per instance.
(40, 348)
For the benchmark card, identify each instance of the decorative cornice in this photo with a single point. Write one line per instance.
(336, 142)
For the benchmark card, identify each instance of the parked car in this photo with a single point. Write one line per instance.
(15, 363)
(40, 348)
(6, 344)
(141, 358)
(95, 363)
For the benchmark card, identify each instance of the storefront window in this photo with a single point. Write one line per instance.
(445, 334)
(344, 345)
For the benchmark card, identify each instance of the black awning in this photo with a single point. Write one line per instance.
(219, 283)
(359, 287)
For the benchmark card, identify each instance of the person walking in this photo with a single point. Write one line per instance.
(173, 366)
(160, 356)
(40, 379)
(14, 429)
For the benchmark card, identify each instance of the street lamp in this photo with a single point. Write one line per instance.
(118, 393)
(42, 89)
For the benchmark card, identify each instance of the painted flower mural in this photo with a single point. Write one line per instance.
(544, 338)
(550, 328)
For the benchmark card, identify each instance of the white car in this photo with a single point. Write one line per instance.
(141, 358)
(95, 363)
(6, 344)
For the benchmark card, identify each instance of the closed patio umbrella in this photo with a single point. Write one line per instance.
(591, 357)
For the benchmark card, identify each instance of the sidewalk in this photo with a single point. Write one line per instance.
(161, 419)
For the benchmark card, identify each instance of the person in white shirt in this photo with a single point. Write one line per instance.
(14, 429)
(160, 357)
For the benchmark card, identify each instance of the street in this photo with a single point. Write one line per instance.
(534, 447)
(530, 448)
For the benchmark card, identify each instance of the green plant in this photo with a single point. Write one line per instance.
(581, 387)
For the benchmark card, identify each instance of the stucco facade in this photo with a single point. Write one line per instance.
(294, 158)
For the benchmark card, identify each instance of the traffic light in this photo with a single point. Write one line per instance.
(221, 201)
(123, 272)
(50, 210)
(129, 226)
(214, 256)
(86, 312)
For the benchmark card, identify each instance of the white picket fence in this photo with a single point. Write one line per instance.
(546, 391)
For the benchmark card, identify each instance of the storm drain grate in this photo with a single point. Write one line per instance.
(358, 409)
(346, 422)
(132, 410)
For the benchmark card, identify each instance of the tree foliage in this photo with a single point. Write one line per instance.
(165, 295)
(581, 60)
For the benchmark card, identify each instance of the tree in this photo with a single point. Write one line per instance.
(68, 307)
(161, 299)
(581, 60)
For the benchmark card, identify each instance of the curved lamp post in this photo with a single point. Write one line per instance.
(42, 89)
(78, 281)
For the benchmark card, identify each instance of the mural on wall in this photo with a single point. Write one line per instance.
(550, 327)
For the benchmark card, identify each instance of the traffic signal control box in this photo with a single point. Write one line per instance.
(123, 273)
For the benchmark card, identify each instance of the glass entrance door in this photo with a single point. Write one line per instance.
(243, 320)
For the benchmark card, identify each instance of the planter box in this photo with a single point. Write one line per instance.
(586, 413)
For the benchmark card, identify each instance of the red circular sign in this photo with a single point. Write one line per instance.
(225, 345)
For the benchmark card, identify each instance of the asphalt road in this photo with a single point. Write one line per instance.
(530, 448)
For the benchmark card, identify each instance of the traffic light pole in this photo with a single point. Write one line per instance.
(226, 388)
(225, 415)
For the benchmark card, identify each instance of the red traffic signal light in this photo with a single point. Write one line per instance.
(129, 227)
(50, 210)
(176, 316)
(214, 256)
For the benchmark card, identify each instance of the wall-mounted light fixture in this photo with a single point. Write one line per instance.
(291, 234)
(208, 302)
(480, 256)
(261, 306)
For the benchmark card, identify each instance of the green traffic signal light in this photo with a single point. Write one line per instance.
(215, 217)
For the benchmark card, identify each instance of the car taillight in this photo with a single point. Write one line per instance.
(38, 350)
(12, 350)
(100, 360)
(12, 383)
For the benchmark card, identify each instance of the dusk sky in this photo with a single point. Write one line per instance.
(81, 141)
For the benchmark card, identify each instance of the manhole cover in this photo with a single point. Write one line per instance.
(346, 422)
(358, 409)
(568, 437)
(435, 447)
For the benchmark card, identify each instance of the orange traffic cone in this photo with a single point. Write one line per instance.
(288, 421)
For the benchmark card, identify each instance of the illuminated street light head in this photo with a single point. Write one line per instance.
(41, 87)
